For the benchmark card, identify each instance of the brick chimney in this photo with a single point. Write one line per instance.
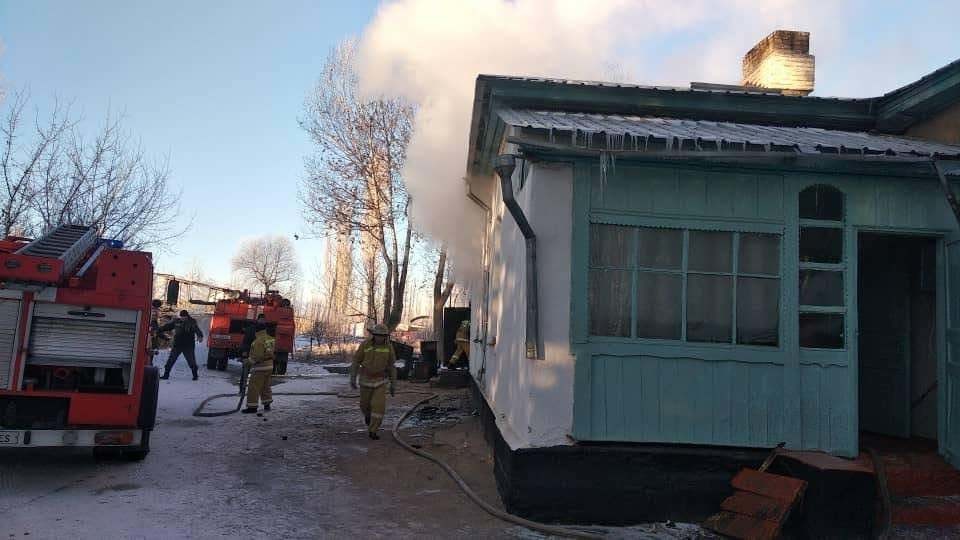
(781, 61)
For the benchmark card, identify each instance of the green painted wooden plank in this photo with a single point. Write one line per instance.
(721, 194)
(672, 401)
(702, 389)
(746, 196)
(650, 403)
(598, 393)
(810, 406)
(665, 190)
(724, 386)
(693, 189)
(757, 410)
(770, 202)
(582, 399)
(632, 391)
(579, 252)
(740, 404)
(613, 392)
(709, 223)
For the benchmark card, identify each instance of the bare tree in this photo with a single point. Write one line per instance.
(24, 164)
(53, 175)
(354, 179)
(441, 293)
(268, 261)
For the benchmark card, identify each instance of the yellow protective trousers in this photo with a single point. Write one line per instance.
(258, 389)
(373, 403)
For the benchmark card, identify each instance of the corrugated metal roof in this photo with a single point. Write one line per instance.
(733, 90)
(643, 133)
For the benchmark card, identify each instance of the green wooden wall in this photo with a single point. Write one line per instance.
(637, 390)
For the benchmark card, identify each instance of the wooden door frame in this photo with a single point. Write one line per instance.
(940, 237)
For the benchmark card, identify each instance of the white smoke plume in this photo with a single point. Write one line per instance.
(431, 52)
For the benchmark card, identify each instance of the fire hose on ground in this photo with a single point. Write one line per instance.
(243, 394)
(472, 495)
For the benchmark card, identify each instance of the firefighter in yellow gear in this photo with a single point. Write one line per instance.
(260, 364)
(462, 342)
(374, 363)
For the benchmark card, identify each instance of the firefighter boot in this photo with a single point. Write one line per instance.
(249, 410)
(166, 374)
(194, 373)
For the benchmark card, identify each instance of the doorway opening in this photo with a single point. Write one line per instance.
(897, 344)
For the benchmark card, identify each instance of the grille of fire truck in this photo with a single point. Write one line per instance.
(69, 243)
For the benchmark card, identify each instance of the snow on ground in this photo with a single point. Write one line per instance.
(304, 470)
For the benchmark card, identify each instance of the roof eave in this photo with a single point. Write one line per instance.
(917, 101)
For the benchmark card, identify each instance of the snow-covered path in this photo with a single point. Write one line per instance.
(291, 473)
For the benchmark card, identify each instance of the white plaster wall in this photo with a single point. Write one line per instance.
(532, 399)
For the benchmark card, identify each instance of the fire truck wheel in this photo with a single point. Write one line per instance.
(214, 357)
(280, 364)
(137, 453)
(222, 364)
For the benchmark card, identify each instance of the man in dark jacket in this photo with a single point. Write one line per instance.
(185, 329)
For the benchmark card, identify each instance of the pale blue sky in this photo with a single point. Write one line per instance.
(217, 86)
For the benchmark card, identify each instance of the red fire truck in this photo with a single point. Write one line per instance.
(74, 360)
(232, 317)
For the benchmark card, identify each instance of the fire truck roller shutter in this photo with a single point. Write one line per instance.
(80, 336)
(9, 318)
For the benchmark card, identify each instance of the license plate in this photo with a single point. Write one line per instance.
(11, 438)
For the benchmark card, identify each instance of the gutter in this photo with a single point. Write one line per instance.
(504, 165)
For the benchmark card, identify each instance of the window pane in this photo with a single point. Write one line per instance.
(660, 248)
(758, 311)
(821, 245)
(709, 308)
(821, 330)
(659, 305)
(609, 300)
(759, 253)
(711, 251)
(610, 245)
(821, 202)
(821, 288)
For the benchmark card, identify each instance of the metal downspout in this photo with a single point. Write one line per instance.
(505, 165)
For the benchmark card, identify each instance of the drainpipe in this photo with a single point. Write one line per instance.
(505, 164)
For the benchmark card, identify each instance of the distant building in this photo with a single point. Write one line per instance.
(717, 269)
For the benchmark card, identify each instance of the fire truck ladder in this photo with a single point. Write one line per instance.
(68, 243)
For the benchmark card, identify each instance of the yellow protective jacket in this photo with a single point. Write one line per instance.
(374, 364)
(262, 352)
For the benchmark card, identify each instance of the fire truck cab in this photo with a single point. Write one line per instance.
(74, 360)
(232, 319)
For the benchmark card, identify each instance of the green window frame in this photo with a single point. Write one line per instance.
(822, 268)
(681, 285)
